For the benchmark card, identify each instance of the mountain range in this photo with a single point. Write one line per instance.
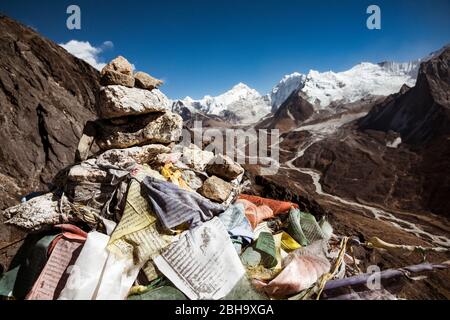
(245, 105)
(324, 90)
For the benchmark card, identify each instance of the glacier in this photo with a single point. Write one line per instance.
(364, 79)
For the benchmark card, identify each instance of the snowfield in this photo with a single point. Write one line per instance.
(364, 79)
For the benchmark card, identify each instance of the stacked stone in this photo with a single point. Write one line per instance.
(135, 128)
(120, 72)
(133, 116)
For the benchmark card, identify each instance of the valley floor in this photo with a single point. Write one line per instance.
(356, 217)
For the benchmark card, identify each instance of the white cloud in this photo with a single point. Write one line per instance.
(107, 45)
(85, 51)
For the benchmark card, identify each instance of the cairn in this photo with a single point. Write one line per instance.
(135, 129)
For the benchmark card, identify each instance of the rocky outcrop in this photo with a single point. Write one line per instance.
(137, 134)
(39, 213)
(121, 65)
(120, 72)
(294, 111)
(194, 157)
(110, 77)
(140, 155)
(46, 96)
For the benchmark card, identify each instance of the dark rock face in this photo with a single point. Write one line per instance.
(294, 111)
(422, 117)
(358, 162)
(46, 96)
(421, 113)
(359, 166)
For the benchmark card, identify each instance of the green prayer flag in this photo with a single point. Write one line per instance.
(266, 246)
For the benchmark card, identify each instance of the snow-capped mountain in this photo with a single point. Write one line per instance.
(246, 105)
(364, 79)
(242, 103)
(323, 90)
(284, 89)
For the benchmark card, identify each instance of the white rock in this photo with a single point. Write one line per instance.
(38, 213)
(123, 158)
(194, 157)
(87, 171)
(394, 144)
(118, 101)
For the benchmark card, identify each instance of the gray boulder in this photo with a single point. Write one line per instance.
(119, 64)
(140, 130)
(39, 213)
(146, 81)
(111, 77)
(118, 101)
(216, 189)
(224, 167)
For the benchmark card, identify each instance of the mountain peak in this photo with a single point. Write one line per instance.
(437, 52)
(291, 76)
(245, 103)
(241, 86)
(420, 113)
(284, 89)
(321, 89)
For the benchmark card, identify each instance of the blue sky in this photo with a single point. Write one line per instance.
(204, 47)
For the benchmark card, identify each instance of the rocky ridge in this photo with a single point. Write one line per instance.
(46, 96)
